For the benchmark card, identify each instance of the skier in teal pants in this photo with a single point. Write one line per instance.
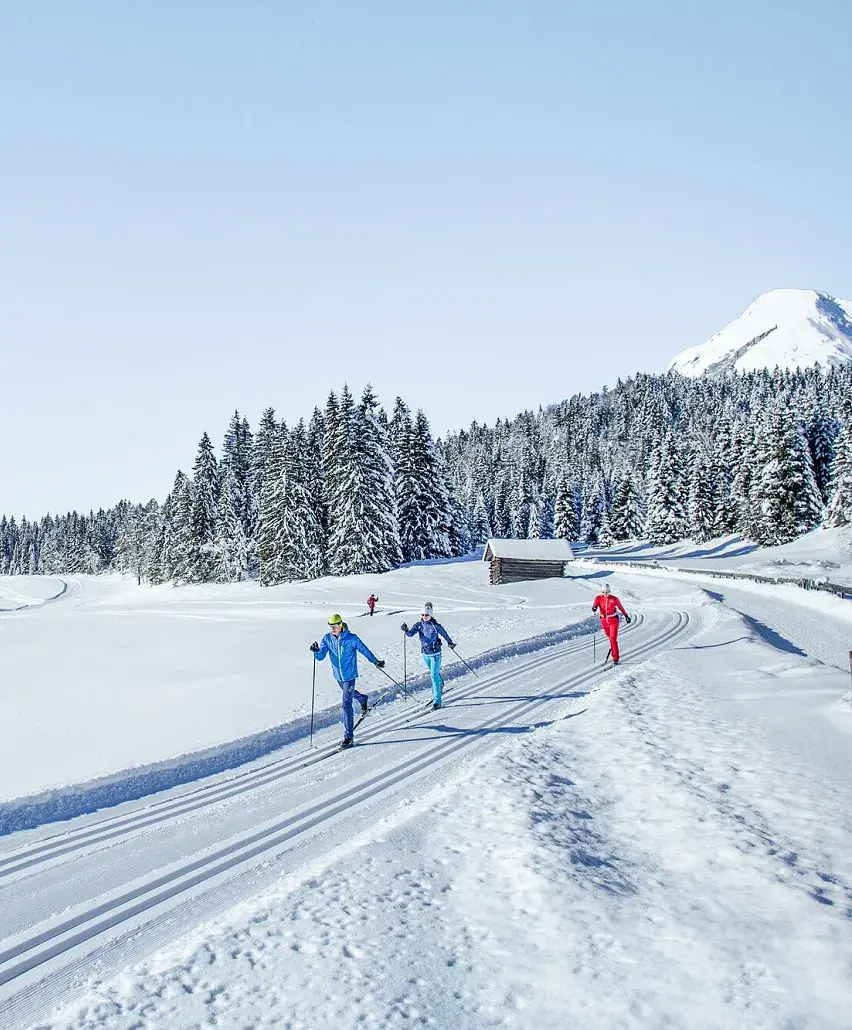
(430, 633)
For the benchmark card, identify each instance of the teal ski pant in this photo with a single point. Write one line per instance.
(433, 664)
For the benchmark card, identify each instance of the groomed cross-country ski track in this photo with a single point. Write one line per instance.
(107, 889)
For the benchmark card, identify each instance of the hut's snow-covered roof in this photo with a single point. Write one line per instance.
(529, 550)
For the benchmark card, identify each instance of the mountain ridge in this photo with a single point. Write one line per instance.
(784, 328)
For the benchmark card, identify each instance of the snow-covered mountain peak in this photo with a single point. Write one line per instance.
(788, 328)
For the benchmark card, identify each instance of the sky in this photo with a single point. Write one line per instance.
(483, 206)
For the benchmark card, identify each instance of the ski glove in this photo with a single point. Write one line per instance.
(451, 645)
(594, 607)
(404, 627)
(627, 617)
(315, 647)
(380, 664)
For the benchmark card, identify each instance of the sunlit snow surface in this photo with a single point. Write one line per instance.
(670, 846)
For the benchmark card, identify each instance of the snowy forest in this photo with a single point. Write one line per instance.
(767, 455)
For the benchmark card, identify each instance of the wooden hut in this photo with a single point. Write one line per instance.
(513, 561)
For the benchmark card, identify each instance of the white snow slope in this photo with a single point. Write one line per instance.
(788, 328)
(667, 843)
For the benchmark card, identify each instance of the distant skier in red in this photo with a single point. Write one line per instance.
(371, 602)
(609, 606)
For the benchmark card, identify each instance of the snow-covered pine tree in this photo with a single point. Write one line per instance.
(408, 487)
(534, 522)
(359, 480)
(237, 468)
(265, 440)
(480, 528)
(626, 517)
(822, 433)
(303, 551)
(177, 550)
(606, 538)
(702, 499)
(434, 488)
(593, 509)
(665, 521)
(272, 513)
(460, 542)
(380, 541)
(337, 459)
(839, 509)
(565, 524)
(785, 495)
(200, 563)
(745, 468)
(232, 547)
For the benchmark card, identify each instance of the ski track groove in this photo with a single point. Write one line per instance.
(39, 949)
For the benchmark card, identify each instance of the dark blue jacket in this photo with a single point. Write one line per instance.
(343, 653)
(430, 634)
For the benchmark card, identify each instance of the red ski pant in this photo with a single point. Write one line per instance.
(610, 627)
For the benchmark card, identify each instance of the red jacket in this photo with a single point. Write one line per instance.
(608, 605)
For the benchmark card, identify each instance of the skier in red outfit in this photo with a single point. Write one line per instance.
(371, 602)
(609, 606)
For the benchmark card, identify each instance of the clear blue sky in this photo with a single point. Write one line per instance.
(483, 205)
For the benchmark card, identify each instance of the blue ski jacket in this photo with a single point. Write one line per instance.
(430, 634)
(343, 653)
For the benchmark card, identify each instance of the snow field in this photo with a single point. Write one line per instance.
(657, 858)
(115, 677)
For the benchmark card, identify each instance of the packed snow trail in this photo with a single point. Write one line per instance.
(116, 889)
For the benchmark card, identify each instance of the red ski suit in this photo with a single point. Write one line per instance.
(609, 606)
(371, 602)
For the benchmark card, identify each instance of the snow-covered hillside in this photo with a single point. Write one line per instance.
(787, 328)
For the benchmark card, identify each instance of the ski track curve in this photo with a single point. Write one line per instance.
(140, 911)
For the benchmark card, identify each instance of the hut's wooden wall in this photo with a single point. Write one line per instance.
(516, 570)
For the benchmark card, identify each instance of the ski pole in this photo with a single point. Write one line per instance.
(595, 646)
(609, 652)
(313, 693)
(464, 663)
(404, 667)
(391, 678)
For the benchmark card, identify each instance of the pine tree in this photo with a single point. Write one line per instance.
(303, 553)
(702, 498)
(626, 517)
(665, 521)
(232, 546)
(785, 495)
(480, 529)
(272, 514)
(606, 538)
(565, 523)
(433, 489)
(593, 509)
(359, 478)
(534, 523)
(200, 561)
(839, 509)
(822, 433)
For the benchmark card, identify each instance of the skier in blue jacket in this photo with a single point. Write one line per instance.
(430, 632)
(342, 648)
